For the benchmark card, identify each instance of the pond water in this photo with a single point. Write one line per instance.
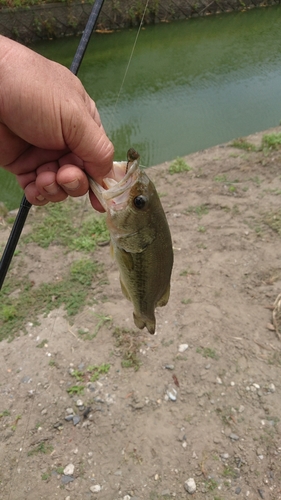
(190, 85)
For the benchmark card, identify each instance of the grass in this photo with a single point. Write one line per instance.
(41, 448)
(76, 389)
(207, 352)
(96, 371)
(243, 144)
(271, 141)
(71, 291)
(273, 220)
(199, 210)
(59, 226)
(128, 343)
(178, 166)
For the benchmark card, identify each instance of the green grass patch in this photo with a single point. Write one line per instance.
(58, 225)
(207, 352)
(271, 141)
(243, 144)
(76, 389)
(178, 166)
(128, 342)
(96, 371)
(42, 447)
(273, 220)
(200, 210)
(71, 291)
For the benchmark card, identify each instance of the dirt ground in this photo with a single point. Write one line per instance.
(132, 441)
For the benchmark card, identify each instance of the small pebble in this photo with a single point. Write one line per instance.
(190, 486)
(67, 479)
(224, 456)
(96, 488)
(68, 470)
(261, 493)
(183, 347)
(219, 380)
(76, 419)
(172, 394)
(126, 497)
(68, 418)
(271, 388)
(238, 490)
(69, 411)
(233, 436)
(79, 402)
(169, 367)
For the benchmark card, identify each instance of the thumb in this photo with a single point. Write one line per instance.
(85, 136)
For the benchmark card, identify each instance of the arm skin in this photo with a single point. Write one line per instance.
(50, 129)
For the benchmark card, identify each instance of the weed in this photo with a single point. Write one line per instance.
(178, 166)
(220, 178)
(78, 374)
(243, 144)
(45, 476)
(271, 141)
(58, 226)
(186, 301)
(211, 484)
(200, 210)
(71, 291)
(273, 220)
(76, 389)
(41, 448)
(52, 362)
(5, 413)
(188, 272)
(207, 352)
(59, 470)
(201, 229)
(128, 342)
(42, 344)
(232, 189)
(96, 371)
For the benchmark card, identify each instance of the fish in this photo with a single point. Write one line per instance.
(140, 237)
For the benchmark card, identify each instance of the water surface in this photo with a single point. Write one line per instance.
(190, 84)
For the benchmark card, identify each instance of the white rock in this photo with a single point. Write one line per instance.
(96, 488)
(183, 347)
(271, 388)
(126, 497)
(79, 402)
(190, 486)
(69, 470)
(172, 394)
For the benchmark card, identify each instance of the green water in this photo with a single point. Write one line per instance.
(190, 84)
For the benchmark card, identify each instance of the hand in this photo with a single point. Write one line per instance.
(50, 130)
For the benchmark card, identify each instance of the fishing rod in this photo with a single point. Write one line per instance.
(25, 204)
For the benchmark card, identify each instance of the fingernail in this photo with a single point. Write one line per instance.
(72, 185)
(52, 188)
(40, 197)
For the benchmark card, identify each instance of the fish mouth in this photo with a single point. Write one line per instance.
(114, 191)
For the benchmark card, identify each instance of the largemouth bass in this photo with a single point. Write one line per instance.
(140, 237)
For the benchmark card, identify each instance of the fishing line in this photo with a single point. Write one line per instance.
(129, 61)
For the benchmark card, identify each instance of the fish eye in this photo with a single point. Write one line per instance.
(139, 202)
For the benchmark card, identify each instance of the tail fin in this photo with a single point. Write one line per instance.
(141, 322)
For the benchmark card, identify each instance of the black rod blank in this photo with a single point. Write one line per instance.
(25, 205)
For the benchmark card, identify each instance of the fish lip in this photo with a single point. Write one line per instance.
(107, 196)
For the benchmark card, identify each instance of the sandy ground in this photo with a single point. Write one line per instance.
(223, 429)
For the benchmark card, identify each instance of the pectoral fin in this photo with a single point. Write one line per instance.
(165, 297)
(125, 291)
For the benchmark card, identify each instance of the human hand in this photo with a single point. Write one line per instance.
(50, 130)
